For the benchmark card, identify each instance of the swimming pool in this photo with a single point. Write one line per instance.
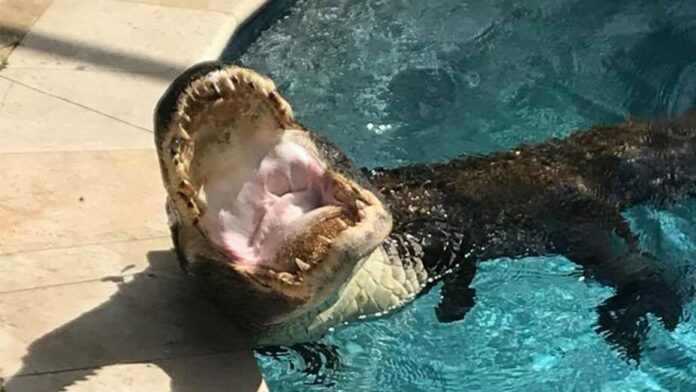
(397, 81)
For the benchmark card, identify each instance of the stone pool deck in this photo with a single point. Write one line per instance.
(91, 298)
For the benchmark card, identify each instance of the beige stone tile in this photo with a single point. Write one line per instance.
(16, 17)
(244, 9)
(154, 318)
(214, 373)
(115, 378)
(128, 97)
(33, 121)
(22, 13)
(62, 199)
(124, 36)
(116, 262)
(116, 57)
(4, 88)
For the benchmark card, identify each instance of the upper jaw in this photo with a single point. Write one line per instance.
(225, 120)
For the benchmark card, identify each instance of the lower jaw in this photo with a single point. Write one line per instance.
(361, 296)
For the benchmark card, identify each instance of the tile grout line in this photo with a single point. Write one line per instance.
(77, 104)
(4, 98)
(133, 362)
(159, 274)
(125, 240)
(65, 284)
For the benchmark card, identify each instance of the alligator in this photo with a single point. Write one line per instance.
(282, 231)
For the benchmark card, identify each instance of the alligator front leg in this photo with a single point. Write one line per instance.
(457, 296)
(446, 256)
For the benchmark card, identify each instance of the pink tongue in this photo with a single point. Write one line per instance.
(286, 186)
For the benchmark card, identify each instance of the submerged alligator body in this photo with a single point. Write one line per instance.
(289, 238)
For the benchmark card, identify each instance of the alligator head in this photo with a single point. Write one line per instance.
(270, 219)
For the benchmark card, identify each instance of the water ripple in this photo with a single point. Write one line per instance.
(450, 78)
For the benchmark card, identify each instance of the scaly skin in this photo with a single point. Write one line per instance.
(558, 197)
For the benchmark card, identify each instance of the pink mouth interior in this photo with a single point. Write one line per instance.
(279, 196)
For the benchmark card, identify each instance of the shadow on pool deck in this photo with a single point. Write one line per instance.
(101, 57)
(155, 318)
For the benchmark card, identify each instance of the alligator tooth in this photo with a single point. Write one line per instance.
(272, 273)
(186, 188)
(302, 265)
(191, 104)
(180, 171)
(341, 223)
(201, 195)
(182, 135)
(227, 85)
(217, 87)
(325, 239)
(205, 91)
(286, 277)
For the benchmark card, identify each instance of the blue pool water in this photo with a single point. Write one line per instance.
(398, 81)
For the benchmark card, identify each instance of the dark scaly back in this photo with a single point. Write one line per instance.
(645, 162)
(507, 203)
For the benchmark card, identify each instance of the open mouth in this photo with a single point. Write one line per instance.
(268, 203)
(285, 215)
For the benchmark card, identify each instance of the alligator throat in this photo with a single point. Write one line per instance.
(249, 220)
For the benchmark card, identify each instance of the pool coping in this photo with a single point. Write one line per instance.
(253, 26)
